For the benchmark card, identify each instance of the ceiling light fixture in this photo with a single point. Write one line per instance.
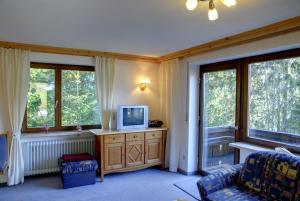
(212, 12)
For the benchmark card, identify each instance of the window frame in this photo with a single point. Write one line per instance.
(58, 110)
(245, 97)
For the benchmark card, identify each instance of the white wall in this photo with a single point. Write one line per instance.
(128, 76)
(190, 139)
(126, 91)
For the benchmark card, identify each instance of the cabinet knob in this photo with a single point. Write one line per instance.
(134, 136)
(153, 135)
(114, 138)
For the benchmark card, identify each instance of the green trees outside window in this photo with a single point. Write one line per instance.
(79, 102)
(41, 98)
(274, 95)
(220, 98)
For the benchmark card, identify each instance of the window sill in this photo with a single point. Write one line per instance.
(251, 147)
(56, 134)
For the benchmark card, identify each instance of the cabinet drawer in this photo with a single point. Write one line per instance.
(153, 135)
(134, 136)
(114, 138)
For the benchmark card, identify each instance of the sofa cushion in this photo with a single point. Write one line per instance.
(252, 174)
(78, 166)
(282, 176)
(219, 179)
(233, 193)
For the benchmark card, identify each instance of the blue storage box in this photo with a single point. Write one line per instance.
(78, 173)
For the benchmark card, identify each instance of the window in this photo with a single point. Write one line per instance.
(79, 102)
(61, 97)
(218, 116)
(41, 98)
(274, 100)
(254, 100)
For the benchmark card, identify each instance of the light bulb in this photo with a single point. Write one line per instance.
(191, 4)
(213, 14)
(229, 3)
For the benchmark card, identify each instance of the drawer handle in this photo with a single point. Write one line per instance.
(134, 136)
(114, 138)
(153, 135)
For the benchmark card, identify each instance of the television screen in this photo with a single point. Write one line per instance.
(133, 116)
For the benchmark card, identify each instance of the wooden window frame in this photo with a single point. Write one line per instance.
(244, 97)
(58, 112)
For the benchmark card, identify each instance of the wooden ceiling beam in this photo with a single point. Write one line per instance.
(275, 29)
(77, 52)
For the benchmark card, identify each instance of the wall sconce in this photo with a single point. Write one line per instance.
(145, 82)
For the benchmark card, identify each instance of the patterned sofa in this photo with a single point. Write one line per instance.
(264, 176)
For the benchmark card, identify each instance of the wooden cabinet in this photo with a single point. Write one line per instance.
(120, 152)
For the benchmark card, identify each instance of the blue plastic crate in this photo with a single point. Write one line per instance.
(78, 179)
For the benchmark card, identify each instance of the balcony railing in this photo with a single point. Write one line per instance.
(216, 146)
(282, 137)
(216, 143)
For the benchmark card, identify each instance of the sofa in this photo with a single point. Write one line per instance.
(264, 176)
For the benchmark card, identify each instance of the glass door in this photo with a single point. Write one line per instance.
(218, 117)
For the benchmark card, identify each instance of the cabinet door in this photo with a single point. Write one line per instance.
(114, 156)
(153, 151)
(135, 153)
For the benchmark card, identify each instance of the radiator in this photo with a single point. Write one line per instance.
(41, 153)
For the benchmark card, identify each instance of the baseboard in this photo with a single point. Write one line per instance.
(187, 173)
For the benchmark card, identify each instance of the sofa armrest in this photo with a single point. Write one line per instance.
(218, 180)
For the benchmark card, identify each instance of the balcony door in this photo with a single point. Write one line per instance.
(219, 114)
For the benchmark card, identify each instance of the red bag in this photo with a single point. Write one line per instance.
(76, 157)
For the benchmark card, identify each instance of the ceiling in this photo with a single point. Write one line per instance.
(144, 27)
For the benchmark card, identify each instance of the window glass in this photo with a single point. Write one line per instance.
(274, 100)
(41, 98)
(78, 96)
(219, 111)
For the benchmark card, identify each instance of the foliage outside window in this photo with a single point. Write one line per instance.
(61, 97)
(220, 98)
(41, 98)
(79, 102)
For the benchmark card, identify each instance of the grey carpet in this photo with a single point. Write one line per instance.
(143, 185)
(190, 187)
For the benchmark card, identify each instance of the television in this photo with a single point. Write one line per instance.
(132, 117)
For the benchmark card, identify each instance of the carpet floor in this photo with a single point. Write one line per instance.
(190, 187)
(143, 185)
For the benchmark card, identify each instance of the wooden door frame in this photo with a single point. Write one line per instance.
(220, 66)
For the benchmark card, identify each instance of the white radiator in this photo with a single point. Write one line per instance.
(41, 152)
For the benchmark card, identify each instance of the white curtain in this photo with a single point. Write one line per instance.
(171, 109)
(14, 75)
(105, 73)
